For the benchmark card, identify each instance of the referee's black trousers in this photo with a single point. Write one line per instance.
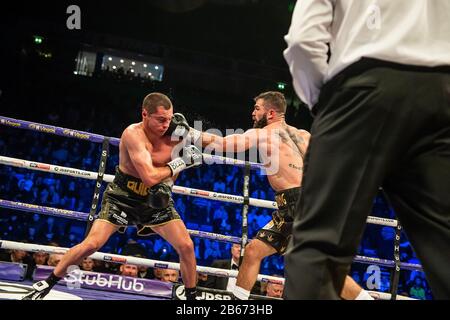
(377, 124)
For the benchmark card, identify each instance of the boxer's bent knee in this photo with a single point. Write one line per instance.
(185, 247)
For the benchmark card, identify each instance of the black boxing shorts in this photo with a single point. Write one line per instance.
(125, 203)
(278, 231)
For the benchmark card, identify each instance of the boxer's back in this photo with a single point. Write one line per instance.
(292, 144)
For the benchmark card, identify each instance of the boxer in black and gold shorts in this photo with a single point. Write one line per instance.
(278, 231)
(127, 201)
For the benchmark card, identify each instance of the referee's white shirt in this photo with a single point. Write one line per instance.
(414, 32)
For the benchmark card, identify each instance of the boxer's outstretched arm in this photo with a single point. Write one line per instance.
(233, 142)
(142, 161)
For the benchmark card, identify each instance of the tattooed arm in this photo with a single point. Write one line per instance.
(299, 137)
(303, 140)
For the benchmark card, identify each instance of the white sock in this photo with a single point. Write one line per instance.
(241, 293)
(364, 295)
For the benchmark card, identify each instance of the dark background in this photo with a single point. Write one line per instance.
(217, 54)
(244, 29)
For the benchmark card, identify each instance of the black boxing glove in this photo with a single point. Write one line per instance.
(178, 127)
(159, 196)
(192, 157)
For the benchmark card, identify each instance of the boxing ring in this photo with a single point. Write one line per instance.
(101, 177)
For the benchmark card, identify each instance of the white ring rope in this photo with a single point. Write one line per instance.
(120, 259)
(77, 173)
(115, 258)
(82, 216)
(387, 296)
(97, 138)
(33, 208)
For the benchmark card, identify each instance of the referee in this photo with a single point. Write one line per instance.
(376, 75)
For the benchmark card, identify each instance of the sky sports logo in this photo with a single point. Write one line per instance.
(114, 259)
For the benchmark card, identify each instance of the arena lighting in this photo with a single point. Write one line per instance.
(281, 85)
(38, 39)
(110, 59)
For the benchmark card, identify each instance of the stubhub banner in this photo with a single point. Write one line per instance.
(77, 278)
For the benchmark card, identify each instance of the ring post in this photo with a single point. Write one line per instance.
(98, 184)
(245, 193)
(398, 232)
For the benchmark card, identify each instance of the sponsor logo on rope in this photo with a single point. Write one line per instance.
(228, 197)
(55, 251)
(271, 280)
(114, 259)
(200, 192)
(39, 166)
(221, 273)
(76, 134)
(381, 219)
(26, 205)
(72, 171)
(161, 265)
(222, 236)
(179, 189)
(41, 128)
(14, 163)
(11, 123)
(60, 211)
